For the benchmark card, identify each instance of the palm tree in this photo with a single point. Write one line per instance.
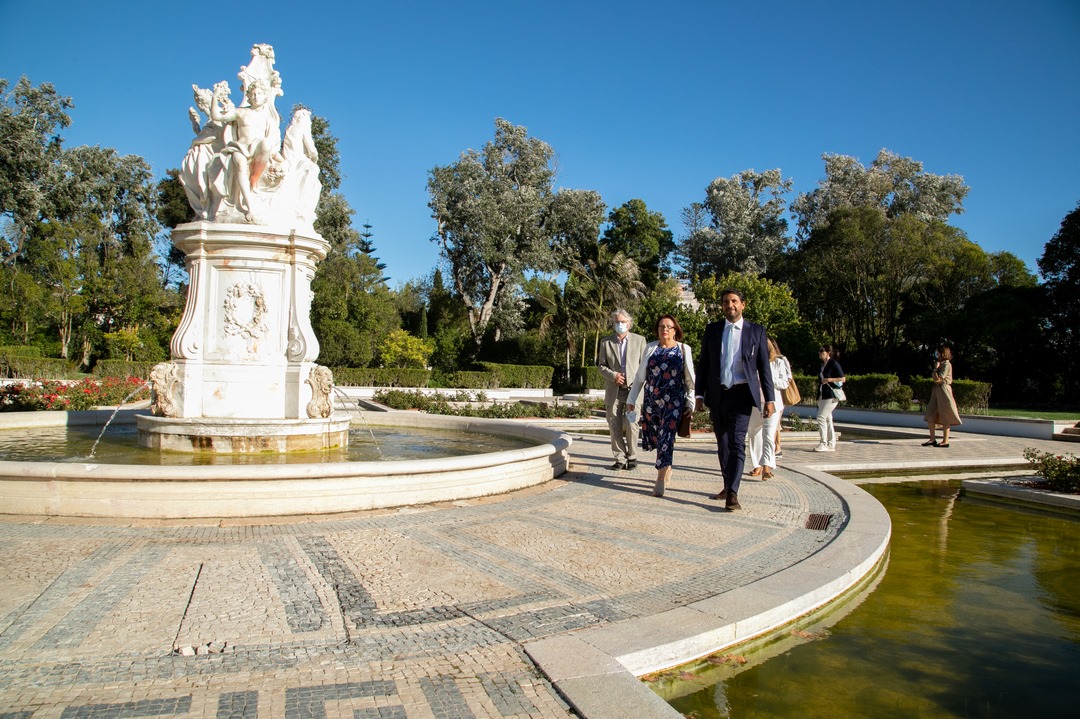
(605, 280)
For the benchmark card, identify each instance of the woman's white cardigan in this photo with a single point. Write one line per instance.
(639, 379)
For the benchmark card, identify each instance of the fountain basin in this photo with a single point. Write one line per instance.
(232, 435)
(89, 489)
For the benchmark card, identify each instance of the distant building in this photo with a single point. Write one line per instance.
(686, 296)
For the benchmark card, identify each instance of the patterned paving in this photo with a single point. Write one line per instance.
(408, 614)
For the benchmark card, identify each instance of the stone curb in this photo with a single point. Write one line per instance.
(596, 670)
(985, 488)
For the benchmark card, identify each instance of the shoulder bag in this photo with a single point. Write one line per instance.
(790, 393)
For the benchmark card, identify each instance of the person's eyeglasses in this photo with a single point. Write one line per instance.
(667, 327)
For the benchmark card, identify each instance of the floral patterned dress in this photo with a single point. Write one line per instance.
(662, 402)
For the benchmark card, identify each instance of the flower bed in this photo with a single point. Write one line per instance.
(42, 395)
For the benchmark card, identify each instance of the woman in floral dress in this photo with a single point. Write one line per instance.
(664, 383)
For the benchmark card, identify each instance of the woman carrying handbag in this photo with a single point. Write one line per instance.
(665, 385)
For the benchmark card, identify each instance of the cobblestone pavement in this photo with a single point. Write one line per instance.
(407, 614)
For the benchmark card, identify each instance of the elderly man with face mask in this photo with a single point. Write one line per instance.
(620, 355)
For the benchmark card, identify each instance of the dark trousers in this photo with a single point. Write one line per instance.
(730, 419)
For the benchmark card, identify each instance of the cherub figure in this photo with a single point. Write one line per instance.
(302, 159)
(257, 137)
(195, 172)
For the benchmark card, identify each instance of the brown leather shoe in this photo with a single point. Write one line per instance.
(722, 495)
(756, 472)
(732, 502)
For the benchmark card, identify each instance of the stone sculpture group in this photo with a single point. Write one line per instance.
(243, 376)
(237, 168)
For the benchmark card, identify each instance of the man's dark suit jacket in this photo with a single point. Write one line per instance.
(754, 350)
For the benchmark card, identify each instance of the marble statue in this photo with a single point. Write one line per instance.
(242, 376)
(205, 148)
(237, 169)
(164, 384)
(321, 381)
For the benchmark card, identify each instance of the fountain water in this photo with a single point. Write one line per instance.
(243, 378)
(112, 416)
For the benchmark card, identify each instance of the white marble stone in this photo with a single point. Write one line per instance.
(237, 169)
(245, 348)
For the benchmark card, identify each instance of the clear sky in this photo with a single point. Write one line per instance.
(640, 99)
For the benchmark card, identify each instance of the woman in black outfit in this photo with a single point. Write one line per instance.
(832, 378)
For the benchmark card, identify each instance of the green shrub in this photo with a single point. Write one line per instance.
(519, 375)
(29, 367)
(437, 404)
(413, 399)
(808, 387)
(473, 380)
(123, 368)
(20, 351)
(577, 379)
(877, 391)
(380, 377)
(970, 396)
(1061, 471)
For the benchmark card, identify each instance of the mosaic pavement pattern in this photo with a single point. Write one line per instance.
(409, 614)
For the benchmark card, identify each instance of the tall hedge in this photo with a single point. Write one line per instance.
(577, 379)
(877, 391)
(473, 380)
(519, 375)
(970, 396)
(380, 377)
(17, 366)
(871, 391)
(123, 368)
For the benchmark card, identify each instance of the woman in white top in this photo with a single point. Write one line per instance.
(761, 439)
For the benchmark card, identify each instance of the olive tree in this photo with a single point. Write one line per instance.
(499, 216)
(740, 227)
(898, 186)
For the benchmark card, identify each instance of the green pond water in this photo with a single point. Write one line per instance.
(976, 614)
(119, 445)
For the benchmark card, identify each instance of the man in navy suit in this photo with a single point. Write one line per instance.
(733, 375)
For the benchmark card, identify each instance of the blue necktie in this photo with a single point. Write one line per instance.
(727, 373)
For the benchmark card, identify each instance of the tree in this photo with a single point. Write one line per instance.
(739, 228)
(642, 236)
(771, 304)
(1009, 270)
(1060, 268)
(401, 349)
(352, 309)
(604, 282)
(896, 185)
(666, 299)
(498, 217)
(30, 123)
(93, 253)
(173, 209)
(855, 273)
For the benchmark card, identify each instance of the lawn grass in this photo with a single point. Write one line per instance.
(1056, 415)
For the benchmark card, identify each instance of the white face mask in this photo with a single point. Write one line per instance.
(621, 328)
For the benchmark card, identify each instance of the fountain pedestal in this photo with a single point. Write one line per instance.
(243, 376)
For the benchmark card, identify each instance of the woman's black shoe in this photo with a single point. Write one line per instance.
(930, 443)
(942, 445)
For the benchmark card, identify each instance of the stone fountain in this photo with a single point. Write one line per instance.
(242, 379)
(243, 376)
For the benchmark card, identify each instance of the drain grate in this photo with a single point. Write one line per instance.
(818, 521)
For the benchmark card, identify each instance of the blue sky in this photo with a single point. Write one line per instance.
(639, 99)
